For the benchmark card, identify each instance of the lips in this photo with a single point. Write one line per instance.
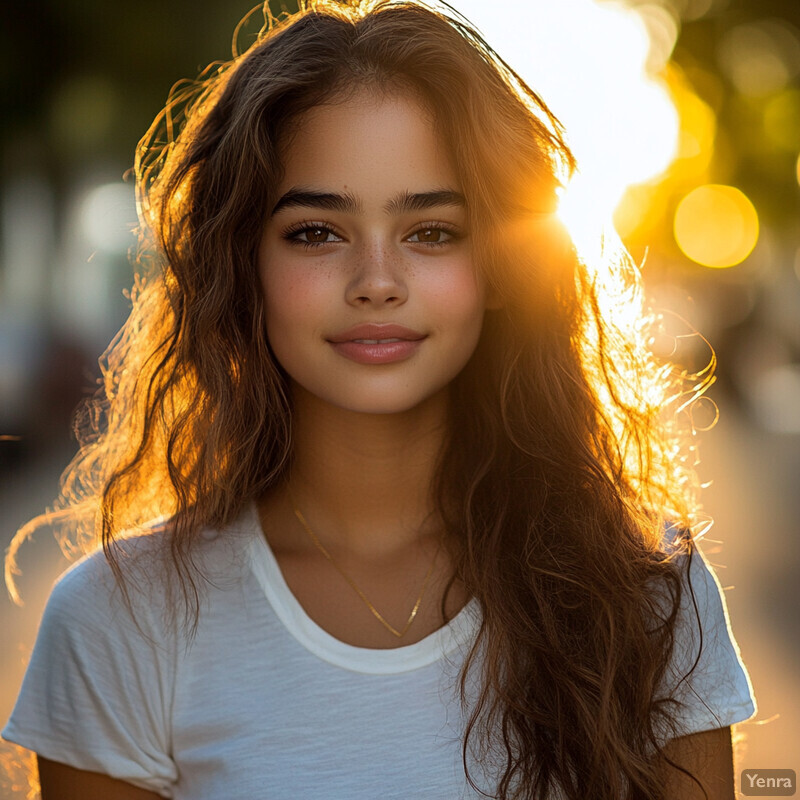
(374, 343)
(376, 333)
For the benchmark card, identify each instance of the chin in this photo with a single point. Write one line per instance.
(383, 401)
(379, 407)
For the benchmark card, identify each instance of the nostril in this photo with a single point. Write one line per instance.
(365, 299)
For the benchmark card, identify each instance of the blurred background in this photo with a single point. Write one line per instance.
(685, 118)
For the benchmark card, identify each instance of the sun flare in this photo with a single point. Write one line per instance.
(599, 66)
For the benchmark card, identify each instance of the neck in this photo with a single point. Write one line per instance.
(365, 479)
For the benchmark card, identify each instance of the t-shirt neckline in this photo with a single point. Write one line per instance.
(318, 641)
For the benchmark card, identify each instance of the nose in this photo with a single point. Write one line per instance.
(378, 278)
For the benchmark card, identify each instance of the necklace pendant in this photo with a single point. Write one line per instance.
(351, 582)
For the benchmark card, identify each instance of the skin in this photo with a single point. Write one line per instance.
(708, 756)
(380, 261)
(60, 782)
(367, 436)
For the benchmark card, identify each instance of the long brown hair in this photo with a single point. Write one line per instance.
(564, 458)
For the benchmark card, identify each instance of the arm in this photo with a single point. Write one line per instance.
(60, 782)
(709, 757)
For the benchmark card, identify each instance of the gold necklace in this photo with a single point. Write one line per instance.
(376, 613)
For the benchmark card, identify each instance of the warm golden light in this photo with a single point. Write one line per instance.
(645, 206)
(594, 64)
(698, 130)
(716, 226)
(782, 120)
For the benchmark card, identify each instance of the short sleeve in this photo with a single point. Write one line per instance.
(96, 693)
(718, 692)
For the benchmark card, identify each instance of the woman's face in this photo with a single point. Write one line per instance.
(372, 301)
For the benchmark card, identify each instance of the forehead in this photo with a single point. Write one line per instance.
(370, 142)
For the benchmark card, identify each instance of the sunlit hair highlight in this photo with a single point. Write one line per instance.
(567, 452)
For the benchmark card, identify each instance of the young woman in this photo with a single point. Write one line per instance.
(422, 522)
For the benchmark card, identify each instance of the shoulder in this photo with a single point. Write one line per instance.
(683, 561)
(706, 673)
(138, 580)
(702, 595)
(702, 610)
(91, 603)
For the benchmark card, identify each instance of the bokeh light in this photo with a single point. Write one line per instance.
(698, 130)
(760, 57)
(662, 31)
(107, 217)
(694, 9)
(776, 399)
(782, 120)
(716, 226)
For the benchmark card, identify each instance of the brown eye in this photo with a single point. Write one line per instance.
(317, 235)
(312, 235)
(436, 235)
(429, 235)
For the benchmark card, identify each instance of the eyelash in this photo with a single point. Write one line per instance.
(292, 233)
(454, 234)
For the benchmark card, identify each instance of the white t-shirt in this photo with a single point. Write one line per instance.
(264, 703)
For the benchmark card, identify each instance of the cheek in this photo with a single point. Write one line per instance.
(457, 294)
(292, 294)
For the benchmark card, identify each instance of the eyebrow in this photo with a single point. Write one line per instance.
(349, 204)
(420, 201)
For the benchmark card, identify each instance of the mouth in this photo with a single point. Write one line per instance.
(387, 350)
(377, 334)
